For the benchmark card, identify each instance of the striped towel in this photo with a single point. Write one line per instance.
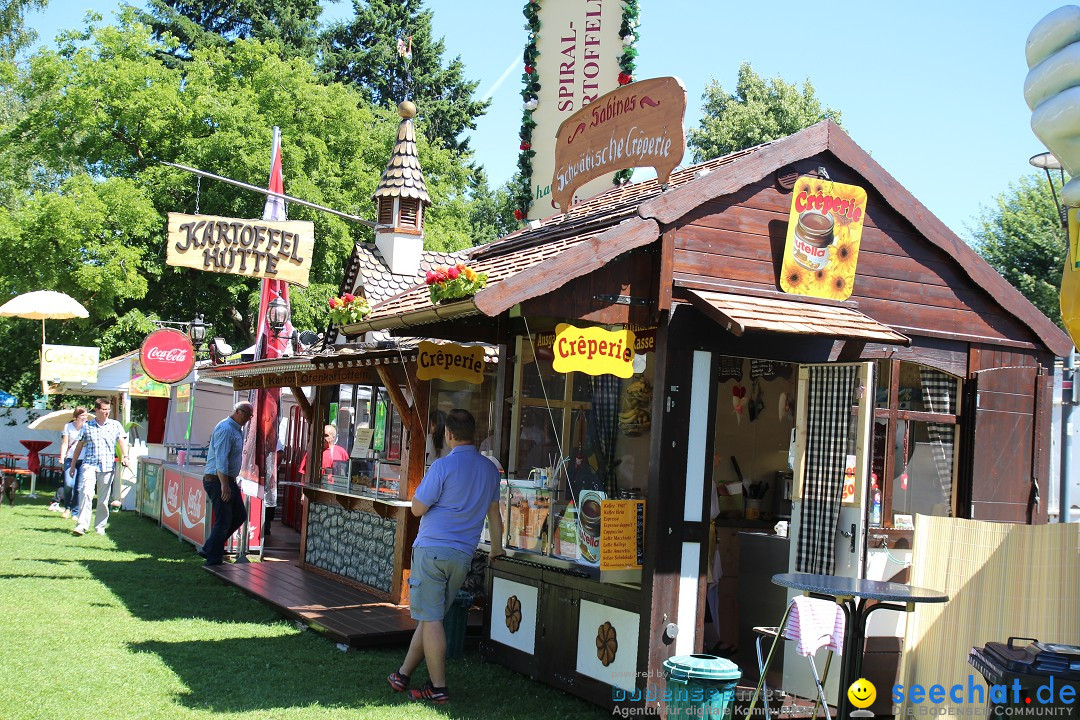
(815, 623)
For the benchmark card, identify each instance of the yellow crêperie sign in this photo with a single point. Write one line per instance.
(450, 362)
(593, 350)
(69, 363)
(824, 232)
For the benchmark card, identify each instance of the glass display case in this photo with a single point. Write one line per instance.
(365, 477)
(548, 522)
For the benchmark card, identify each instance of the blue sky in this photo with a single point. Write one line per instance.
(933, 90)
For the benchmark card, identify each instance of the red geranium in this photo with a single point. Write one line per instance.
(625, 79)
(528, 69)
(518, 215)
(526, 146)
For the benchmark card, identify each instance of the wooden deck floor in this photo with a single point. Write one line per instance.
(341, 612)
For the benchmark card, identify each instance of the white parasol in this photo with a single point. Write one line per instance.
(56, 420)
(43, 305)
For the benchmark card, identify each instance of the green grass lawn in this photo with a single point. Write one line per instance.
(129, 626)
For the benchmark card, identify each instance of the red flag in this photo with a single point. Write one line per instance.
(261, 435)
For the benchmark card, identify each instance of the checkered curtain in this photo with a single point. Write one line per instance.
(828, 415)
(939, 396)
(605, 426)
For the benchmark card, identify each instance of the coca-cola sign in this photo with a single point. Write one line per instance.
(167, 355)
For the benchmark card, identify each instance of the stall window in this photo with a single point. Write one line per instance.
(444, 396)
(576, 419)
(915, 439)
(585, 433)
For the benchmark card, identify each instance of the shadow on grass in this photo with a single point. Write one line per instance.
(309, 673)
(158, 589)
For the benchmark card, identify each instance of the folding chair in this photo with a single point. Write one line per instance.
(801, 611)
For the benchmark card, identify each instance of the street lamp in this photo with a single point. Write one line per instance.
(1047, 161)
(197, 331)
(277, 315)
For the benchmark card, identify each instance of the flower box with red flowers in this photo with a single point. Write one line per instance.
(348, 309)
(454, 282)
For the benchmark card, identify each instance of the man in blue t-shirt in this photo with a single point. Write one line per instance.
(451, 501)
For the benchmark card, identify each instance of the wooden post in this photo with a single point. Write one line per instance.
(414, 424)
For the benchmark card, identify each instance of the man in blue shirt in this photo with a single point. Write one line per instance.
(451, 501)
(219, 481)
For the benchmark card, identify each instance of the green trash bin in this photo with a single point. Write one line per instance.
(700, 686)
(455, 622)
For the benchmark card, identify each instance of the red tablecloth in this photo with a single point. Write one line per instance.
(33, 462)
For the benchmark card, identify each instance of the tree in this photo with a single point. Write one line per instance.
(14, 35)
(89, 201)
(364, 52)
(196, 23)
(1022, 238)
(757, 112)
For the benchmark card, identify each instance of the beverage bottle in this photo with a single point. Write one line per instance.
(875, 501)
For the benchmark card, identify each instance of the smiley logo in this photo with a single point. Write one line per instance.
(862, 693)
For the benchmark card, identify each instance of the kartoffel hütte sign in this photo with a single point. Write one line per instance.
(637, 125)
(279, 250)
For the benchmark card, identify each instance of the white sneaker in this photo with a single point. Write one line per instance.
(54, 507)
(100, 531)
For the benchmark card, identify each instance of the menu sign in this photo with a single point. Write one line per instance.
(450, 362)
(593, 351)
(274, 249)
(824, 232)
(69, 363)
(622, 539)
(637, 125)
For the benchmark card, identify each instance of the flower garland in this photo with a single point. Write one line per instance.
(348, 309)
(454, 282)
(530, 81)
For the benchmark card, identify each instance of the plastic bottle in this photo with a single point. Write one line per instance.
(875, 501)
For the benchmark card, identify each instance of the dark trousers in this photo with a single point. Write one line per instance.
(228, 516)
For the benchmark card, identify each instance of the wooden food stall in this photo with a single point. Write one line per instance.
(928, 371)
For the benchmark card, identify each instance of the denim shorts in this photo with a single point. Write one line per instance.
(437, 575)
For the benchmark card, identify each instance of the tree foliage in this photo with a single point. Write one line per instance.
(196, 23)
(14, 35)
(88, 198)
(759, 110)
(1021, 237)
(363, 52)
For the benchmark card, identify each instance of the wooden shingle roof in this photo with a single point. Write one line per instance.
(402, 176)
(520, 267)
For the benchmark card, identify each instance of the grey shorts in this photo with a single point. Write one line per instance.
(437, 575)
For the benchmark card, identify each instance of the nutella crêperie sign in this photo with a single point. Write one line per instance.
(167, 355)
(824, 233)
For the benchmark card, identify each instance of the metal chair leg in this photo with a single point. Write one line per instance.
(819, 682)
(761, 676)
(768, 660)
